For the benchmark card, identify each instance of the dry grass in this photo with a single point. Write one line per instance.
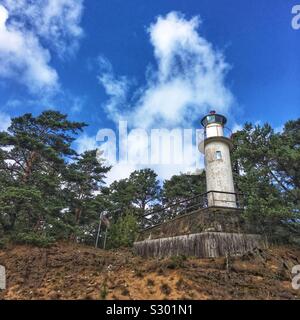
(68, 271)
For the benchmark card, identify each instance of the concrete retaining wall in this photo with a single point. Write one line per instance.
(211, 219)
(202, 245)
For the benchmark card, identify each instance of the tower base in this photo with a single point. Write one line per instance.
(212, 219)
(205, 233)
(201, 245)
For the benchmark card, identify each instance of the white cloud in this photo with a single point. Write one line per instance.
(23, 58)
(116, 88)
(56, 21)
(258, 123)
(4, 121)
(140, 154)
(119, 171)
(188, 81)
(237, 127)
(85, 143)
(63, 98)
(77, 104)
(279, 129)
(29, 32)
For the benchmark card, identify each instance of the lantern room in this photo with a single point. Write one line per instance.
(214, 124)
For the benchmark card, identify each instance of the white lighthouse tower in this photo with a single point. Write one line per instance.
(216, 149)
(214, 228)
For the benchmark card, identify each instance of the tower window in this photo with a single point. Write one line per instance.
(218, 155)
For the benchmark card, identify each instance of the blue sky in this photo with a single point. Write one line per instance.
(153, 63)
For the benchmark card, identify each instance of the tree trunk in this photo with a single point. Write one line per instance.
(78, 212)
(29, 164)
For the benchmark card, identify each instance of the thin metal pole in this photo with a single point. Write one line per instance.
(104, 245)
(99, 227)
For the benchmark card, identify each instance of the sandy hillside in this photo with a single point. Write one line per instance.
(67, 271)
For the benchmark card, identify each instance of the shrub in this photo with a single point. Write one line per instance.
(103, 292)
(32, 238)
(150, 282)
(123, 232)
(3, 243)
(165, 288)
(176, 262)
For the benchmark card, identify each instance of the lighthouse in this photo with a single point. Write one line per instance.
(211, 228)
(216, 149)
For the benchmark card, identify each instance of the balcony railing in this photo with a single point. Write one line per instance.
(209, 199)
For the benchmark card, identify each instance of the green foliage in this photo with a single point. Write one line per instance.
(146, 188)
(20, 206)
(83, 178)
(176, 262)
(32, 238)
(123, 232)
(45, 196)
(119, 197)
(181, 187)
(138, 193)
(103, 291)
(266, 169)
(3, 243)
(61, 229)
(43, 191)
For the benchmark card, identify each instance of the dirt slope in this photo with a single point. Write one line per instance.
(67, 271)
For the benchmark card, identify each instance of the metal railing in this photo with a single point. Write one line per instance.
(189, 205)
(202, 136)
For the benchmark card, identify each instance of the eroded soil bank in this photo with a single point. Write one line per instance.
(68, 271)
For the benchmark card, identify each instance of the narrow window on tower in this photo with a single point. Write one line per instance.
(218, 155)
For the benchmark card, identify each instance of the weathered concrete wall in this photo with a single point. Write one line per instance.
(201, 245)
(208, 219)
(219, 172)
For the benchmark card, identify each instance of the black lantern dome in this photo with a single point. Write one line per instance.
(213, 117)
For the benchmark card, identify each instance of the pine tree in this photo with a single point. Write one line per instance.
(33, 157)
(266, 171)
(84, 180)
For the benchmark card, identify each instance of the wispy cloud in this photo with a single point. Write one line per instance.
(188, 80)
(30, 32)
(57, 22)
(85, 143)
(62, 99)
(23, 58)
(279, 129)
(115, 87)
(4, 121)
(236, 127)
